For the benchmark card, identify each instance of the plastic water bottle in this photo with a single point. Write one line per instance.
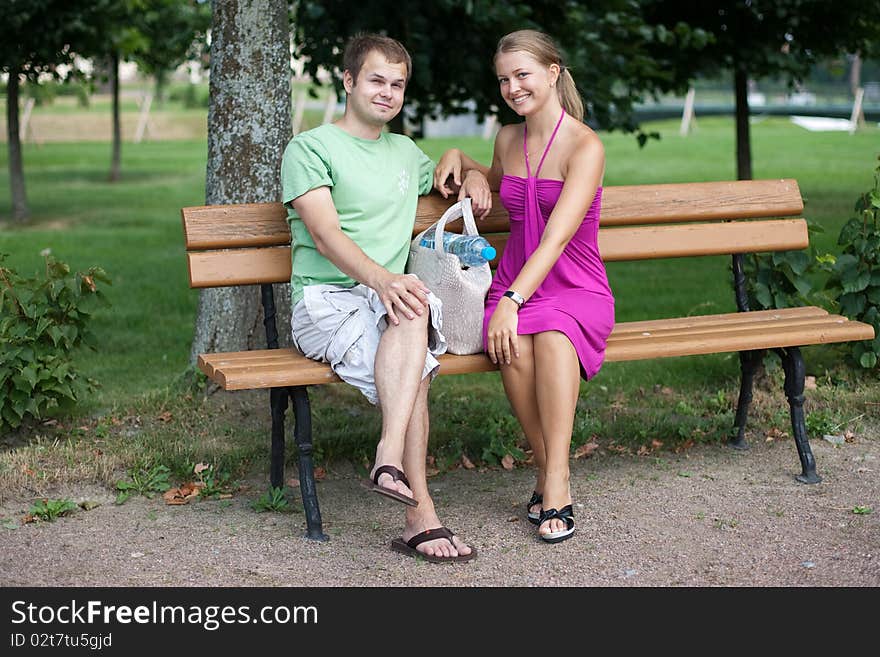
(472, 250)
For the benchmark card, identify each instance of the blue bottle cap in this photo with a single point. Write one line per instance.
(488, 252)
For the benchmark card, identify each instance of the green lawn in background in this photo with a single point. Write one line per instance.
(133, 230)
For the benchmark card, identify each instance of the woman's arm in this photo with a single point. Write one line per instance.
(470, 177)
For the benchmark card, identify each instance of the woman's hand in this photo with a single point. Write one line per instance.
(501, 336)
(477, 187)
(449, 164)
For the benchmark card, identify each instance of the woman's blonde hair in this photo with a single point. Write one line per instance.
(544, 50)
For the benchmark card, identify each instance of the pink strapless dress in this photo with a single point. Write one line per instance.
(575, 297)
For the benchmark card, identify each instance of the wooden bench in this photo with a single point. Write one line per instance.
(250, 245)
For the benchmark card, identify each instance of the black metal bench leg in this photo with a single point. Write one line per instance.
(793, 364)
(303, 435)
(748, 362)
(278, 403)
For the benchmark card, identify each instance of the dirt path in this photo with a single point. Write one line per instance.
(709, 517)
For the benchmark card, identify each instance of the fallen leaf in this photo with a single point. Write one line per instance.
(586, 450)
(164, 417)
(28, 518)
(320, 473)
(432, 471)
(849, 436)
(50, 423)
(507, 462)
(88, 505)
(466, 462)
(687, 444)
(293, 483)
(666, 390)
(656, 444)
(97, 452)
(644, 450)
(201, 467)
(513, 519)
(810, 383)
(224, 496)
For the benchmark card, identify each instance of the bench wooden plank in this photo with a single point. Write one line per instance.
(248, 266)
(667, 338)
(239, 266)
(264, 224)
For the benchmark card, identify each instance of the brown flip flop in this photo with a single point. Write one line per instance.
(409, 547)
(397, 475)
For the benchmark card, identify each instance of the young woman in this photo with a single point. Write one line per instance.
(550, 309)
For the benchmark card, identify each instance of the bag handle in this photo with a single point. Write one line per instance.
(461, 209)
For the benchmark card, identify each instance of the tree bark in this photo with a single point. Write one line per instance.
(855, 74)
(743, 135)
(20, 212)
(115, 164)
(249, 125)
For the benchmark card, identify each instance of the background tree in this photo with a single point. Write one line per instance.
(249, 124)
(36, 37)
(610, 49)
(173, 30)
(763, 38)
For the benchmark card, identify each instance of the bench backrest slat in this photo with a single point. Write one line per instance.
(272, 264)
(264, 224)
(250, 243)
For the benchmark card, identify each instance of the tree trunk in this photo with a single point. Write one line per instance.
(249, 126)
(161, 86)
(855, 74)
(743, 137)
(20, 210)
(117, 132)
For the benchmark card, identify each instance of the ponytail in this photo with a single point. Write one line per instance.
(569, 97)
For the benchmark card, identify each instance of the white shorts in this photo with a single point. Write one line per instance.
(342, 326)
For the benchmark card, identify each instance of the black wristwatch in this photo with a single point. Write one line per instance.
(516, 296)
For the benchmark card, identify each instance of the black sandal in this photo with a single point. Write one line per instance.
(566, 515)
(534, 516)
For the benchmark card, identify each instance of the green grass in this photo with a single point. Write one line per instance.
(133, 230)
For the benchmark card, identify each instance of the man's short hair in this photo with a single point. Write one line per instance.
(360, 45)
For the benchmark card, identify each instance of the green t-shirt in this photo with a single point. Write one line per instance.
(375, 185)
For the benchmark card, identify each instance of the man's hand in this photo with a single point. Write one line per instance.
(404, 293)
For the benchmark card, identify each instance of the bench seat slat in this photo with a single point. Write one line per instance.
(264, 224)
(671, 337)
(723, 318)
(248, 266)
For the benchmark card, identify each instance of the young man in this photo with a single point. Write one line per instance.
(352, 190)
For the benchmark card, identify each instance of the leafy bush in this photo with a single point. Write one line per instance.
(42, 321)
(784, 278)
(856, 274)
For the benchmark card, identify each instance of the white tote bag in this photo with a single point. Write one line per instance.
(462, 291)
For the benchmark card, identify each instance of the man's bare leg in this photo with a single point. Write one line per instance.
(400, 360)
(424, 516)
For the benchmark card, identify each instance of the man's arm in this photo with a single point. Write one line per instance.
(405, 293)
